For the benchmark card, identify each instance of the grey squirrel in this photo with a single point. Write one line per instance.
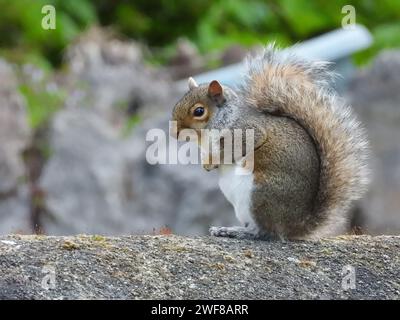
(310, 151)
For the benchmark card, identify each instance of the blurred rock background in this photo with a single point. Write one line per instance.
(76, 104)
(375, 95)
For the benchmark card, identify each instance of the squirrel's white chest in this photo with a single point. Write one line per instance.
(237, 189)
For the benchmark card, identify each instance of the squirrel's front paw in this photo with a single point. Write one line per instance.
(218, 231)
(210, 167)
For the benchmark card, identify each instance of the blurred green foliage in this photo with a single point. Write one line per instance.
(22, 37)
(211, 24)
(38, 115)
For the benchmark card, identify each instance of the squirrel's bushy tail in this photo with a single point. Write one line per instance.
(280, 83)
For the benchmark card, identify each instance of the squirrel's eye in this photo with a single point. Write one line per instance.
(198, 112)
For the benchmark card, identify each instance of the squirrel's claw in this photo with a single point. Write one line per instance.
(210, 167)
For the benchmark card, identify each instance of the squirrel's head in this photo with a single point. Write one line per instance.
(197, 107)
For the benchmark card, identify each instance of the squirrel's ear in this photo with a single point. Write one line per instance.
(215, 91)
(192, 83)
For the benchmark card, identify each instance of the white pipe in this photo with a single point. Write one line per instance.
(330, 46)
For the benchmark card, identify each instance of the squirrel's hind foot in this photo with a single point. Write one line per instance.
(238, 233)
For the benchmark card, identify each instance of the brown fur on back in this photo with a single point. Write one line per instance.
(286, 179)
(281, 84)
